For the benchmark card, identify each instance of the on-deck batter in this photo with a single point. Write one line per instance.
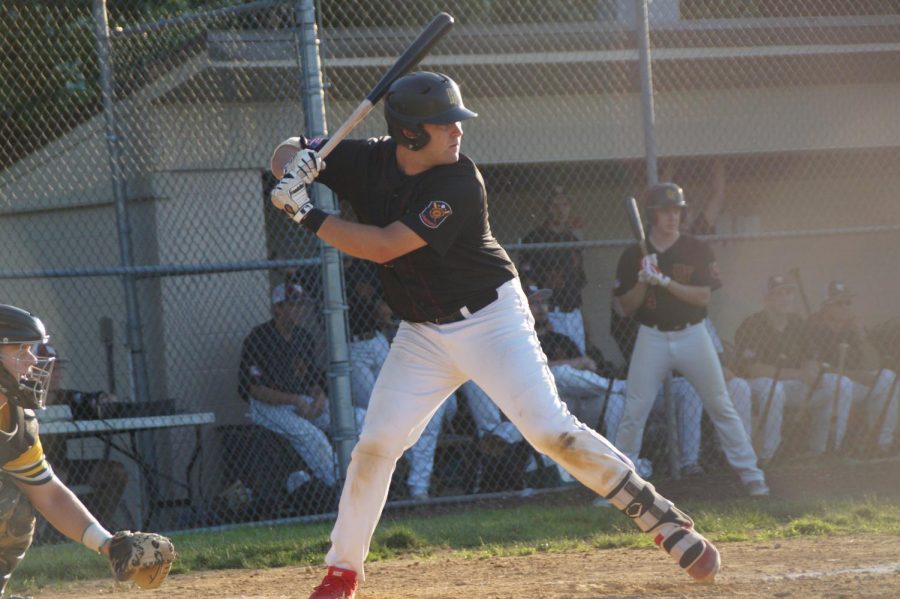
(423, 218)
(667, 292)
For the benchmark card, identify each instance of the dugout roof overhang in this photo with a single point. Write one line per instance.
(558, 58)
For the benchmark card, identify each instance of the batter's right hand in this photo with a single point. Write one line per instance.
(290, 197)
(305, 165)
(649, 263)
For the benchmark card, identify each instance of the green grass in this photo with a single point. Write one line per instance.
(479, 533)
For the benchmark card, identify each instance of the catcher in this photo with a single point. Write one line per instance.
(27, 480)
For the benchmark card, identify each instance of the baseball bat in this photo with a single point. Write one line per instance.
(637, 226)
(832, 441)
(759, 436)
(882, 415)
(414, 53)
(795, 272)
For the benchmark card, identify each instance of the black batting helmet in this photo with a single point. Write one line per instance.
(664, 195)
(418, 98)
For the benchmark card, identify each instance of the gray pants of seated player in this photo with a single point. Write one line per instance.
(16, 529)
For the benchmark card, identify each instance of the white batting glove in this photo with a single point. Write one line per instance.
(649, 262)
(305, 165)
(657, 278)
(290, 197)
(643, 276)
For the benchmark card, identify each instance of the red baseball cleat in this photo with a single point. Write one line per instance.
(337, 584)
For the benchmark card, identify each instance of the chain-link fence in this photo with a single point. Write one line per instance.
(136, 223)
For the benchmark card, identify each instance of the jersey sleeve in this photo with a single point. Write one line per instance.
(627, 271)
(31, 467)
(253, 365)
(441, 212)
(708, 270)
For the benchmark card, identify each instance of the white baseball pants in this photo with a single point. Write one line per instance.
(691, 352)
(873, 404)
(498, 349)
(306, 438)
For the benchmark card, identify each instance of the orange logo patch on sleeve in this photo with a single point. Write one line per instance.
(435, 213)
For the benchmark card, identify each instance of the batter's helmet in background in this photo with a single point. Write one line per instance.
(664, 195)
(419, 98)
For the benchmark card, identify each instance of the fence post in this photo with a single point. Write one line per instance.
(137, 361)
(343, 422)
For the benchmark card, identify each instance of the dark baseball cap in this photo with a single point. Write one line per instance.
(536, 294)
(778, 281)
(837, 291)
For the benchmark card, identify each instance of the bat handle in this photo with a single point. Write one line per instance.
(364, 108)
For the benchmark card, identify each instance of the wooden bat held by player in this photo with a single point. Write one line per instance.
(759, 433)
(637, 226)
(795, 272)
(832, 439)
(417, 50)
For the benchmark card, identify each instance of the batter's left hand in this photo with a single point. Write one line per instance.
(290, 197)
(657, 278)
(305, 165)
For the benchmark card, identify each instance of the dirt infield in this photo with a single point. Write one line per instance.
(823, 567)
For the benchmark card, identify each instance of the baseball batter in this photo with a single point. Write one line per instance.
(423, 218)
(667, 292)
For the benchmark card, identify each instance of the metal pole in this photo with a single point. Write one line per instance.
(673, 442)
(343, 422)
(137, 361)
(642, 28)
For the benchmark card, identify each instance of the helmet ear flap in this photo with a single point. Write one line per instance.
(400, 134)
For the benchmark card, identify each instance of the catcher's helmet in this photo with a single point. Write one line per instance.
(21, 328)
(422, 97)
(665, 195)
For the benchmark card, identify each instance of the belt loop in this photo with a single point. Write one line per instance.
(465, 312)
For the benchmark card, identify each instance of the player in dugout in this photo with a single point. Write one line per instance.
(423, 219)
(27, 480)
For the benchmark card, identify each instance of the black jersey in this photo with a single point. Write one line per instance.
(758, 341)
(446, 206)
(825, 343)
(561, 270)
(363, 294)
(558, 347)
(689, 261)
(270, 360)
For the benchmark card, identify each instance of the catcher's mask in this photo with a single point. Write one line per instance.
(418, 98)
(24, 377)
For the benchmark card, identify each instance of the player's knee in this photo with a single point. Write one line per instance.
(380, 447)
(16, 519)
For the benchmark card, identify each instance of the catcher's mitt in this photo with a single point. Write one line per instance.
(143, 557)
